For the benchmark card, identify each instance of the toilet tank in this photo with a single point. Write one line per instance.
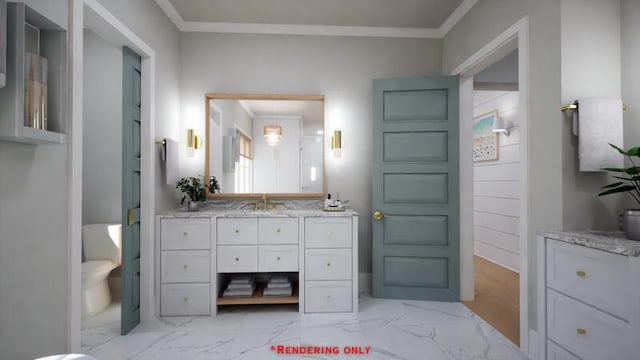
(102, 242)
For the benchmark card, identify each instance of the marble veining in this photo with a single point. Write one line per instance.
(610, 241)
(248, 213)
(391, 329)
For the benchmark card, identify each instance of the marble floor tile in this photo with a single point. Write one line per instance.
(387, 329)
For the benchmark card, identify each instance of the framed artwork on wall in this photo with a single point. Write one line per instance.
(485, 141)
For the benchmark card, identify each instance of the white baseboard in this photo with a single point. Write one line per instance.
(533, 345)
(364, 282)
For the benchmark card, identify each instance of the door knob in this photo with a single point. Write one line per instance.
(378, 215)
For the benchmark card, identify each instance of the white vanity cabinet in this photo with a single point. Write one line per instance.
(185, 266)
(197, 254)
(588, 297)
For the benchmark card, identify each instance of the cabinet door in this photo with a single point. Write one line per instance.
(328, 296)
(328, 233)
(328, 264)
(185, 266)
(274, 258)
(185, 234)
(278, 231)
(185, 299)
(241, 258)
(237, 231)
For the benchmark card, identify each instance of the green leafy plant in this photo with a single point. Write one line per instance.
(629, 177)
(194, 186)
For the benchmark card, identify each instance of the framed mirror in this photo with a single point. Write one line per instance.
(265, 144)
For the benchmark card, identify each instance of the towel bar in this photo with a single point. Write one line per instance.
(575, 107)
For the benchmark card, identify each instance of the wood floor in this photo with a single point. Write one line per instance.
(497, 299)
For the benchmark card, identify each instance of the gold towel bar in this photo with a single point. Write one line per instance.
(161, 142)
(574, 107)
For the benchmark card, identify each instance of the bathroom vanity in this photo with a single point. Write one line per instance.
(588, 296)
(197, 252)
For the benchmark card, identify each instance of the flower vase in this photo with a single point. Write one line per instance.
(192, 206)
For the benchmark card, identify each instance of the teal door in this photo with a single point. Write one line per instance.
(131, 106)
(415, 186)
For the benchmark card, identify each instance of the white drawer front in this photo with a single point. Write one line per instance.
(185, 266)
(278, 231)
(595, 277)
(328, 233)
(585, 331)
(185, 234)
(555, 352)
(237, 231)
(277, 258)
(328, 264)
(241, 258)
(185, 299)
(328, 296)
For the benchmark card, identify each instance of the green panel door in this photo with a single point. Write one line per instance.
(415, 185)
(131, 106)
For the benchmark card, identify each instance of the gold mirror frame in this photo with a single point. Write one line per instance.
(231, 96)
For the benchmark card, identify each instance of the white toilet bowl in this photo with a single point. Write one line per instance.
(101, 245)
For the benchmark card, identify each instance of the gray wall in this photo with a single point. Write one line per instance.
(486, 20)
(340, 68)
(503, 71)
(102, 131)
(33, 240)
(591, 64)
(630, 78)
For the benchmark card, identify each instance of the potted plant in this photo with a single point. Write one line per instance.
(194, 188)
(629, 182)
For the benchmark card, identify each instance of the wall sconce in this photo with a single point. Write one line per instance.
(272, 133)
(336, 144)
(501, 126)
(193, 142)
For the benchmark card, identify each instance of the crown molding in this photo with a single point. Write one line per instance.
(316, 30)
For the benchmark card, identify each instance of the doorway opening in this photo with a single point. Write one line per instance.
(101, 187)
(494, 188)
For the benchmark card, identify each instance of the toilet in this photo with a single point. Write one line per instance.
(102, 253)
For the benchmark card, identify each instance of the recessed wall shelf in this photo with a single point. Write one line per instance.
(50, 43)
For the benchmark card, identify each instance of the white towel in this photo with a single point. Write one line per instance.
(171, 161)
(599, 123)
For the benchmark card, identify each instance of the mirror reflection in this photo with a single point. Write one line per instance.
(270, 145)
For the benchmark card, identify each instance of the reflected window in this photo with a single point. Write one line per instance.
(244, 166)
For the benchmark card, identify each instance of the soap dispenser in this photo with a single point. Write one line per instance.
(328, 202)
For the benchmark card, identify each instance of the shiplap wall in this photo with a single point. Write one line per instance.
(496, 186)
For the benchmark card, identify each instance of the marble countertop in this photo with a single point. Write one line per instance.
(235, 213)
(610, 241)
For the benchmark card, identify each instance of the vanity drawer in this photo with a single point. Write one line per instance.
(595, 277)
(555, 352)
(241, 258)
(277, 258)
(237, 231)
(328, 296)
(185, 299)
(185, 266)
(585, 331)
(185, 234)
(328, 264)
(328, 233)
(278, 231)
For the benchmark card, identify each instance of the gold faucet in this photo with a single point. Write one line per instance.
(264, 202)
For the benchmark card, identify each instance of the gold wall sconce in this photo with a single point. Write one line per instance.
(193, 142)
(336, 144)
(273, 134)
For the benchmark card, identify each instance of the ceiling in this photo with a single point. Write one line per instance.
(425, 14)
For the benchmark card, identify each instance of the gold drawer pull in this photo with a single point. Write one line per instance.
(237, 231)
(185, 233)
(186, 299)
(278, 231)
(278, 258)
(328, 296)
(185, 266)
(581, 331)
(581, 273)
(237, 259)
(328, 264)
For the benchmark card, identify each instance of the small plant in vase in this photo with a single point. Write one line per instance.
(194, 188)
(629, 182)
